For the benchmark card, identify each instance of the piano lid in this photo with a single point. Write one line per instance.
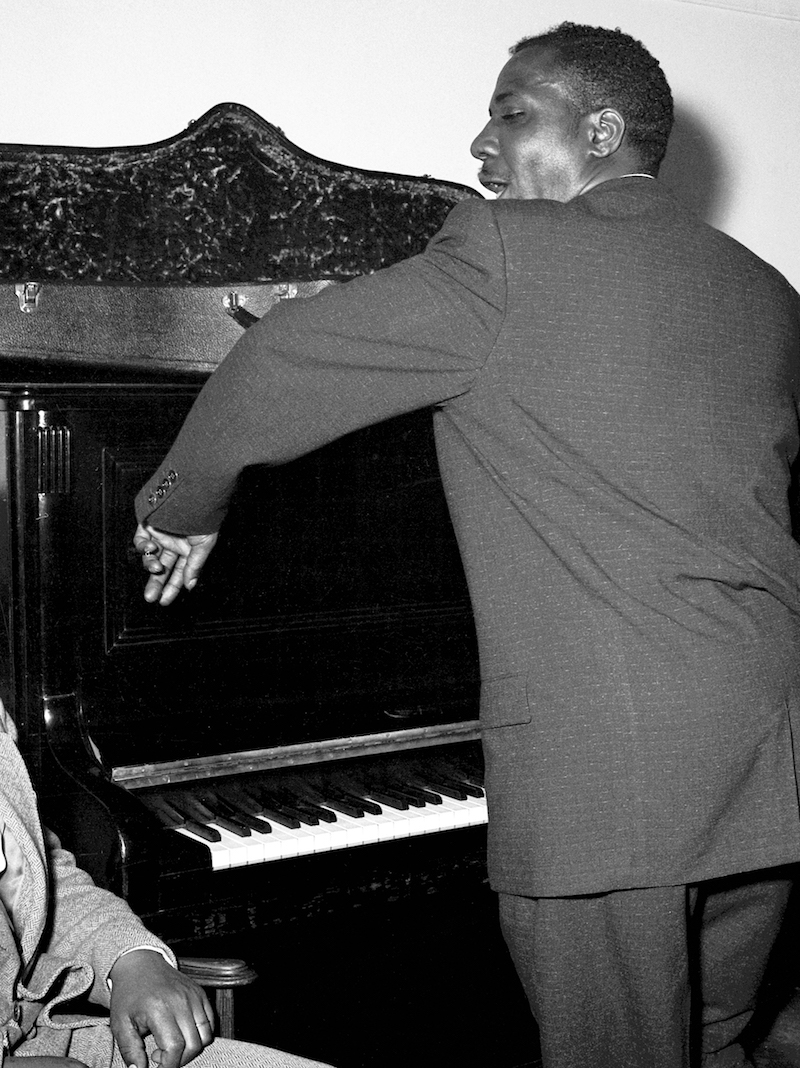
(229, 199)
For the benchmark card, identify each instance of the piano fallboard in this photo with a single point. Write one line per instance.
(330, 655)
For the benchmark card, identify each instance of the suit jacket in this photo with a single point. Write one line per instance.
(616, 387)
(66, 937)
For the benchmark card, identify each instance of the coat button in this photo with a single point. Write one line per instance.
(152, 499)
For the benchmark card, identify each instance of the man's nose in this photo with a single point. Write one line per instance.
(485, 144)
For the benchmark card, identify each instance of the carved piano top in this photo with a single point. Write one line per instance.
(229, 199)
(125, 257)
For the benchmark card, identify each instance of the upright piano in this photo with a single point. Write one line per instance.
(293, 744)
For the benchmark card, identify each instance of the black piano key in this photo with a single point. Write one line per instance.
(439, 786)
(228, 807)
(332, 799)
(271, 810)
(168, 815)
(425, 797)
(468, 775)
(387, 799)
(298, 807)
(173, 819)
(200, 810)
(471, 779)
(345, 793)
(209, 834)
(442, 782)
(470, 788)
(248, 804)
(355, 798)
(306, 809)
(380, 789)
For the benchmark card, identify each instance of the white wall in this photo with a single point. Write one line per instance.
(403, 85)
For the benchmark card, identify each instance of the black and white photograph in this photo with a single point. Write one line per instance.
(399, 520)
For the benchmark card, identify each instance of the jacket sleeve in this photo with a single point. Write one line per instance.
(312, 370)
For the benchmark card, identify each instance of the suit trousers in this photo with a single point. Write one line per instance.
(663, 977)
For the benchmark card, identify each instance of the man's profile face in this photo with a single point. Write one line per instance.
(533, 146)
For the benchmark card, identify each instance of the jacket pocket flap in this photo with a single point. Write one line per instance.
(504, 701)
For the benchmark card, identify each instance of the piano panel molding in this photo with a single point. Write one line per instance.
(227, 199)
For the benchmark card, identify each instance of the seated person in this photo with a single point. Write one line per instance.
(62, 937)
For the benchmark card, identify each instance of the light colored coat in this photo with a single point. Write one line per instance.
(67, 936)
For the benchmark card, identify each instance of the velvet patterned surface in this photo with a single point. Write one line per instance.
(228, 199)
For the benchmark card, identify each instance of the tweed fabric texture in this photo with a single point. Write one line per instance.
(54, 954)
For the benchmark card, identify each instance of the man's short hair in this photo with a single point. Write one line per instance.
(607, 68)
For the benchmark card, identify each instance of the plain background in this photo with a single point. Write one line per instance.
(403, 85)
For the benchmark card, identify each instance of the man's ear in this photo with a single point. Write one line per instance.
(606, 132)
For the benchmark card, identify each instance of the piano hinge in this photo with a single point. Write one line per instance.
(234, 305)
(54, 454)
(28, 296)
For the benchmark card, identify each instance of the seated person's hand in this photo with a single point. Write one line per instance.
(149, 996)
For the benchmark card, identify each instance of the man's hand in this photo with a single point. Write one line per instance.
(149, 996)
(171, 561)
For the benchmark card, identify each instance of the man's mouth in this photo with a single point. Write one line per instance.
(494, 185)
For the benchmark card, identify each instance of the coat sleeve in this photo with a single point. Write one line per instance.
(89, 924)
(312, 370)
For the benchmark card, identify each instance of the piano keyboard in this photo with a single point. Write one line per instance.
(253, 819)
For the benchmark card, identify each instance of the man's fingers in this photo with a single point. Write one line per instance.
(195, 561)
(174, 580)
(177, 1045)
(131, 1045)
(160, 577)
(172, 562)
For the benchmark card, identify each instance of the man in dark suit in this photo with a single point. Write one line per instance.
(616, 414)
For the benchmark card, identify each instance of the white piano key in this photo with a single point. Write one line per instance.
(394, 817)
(311, 839)
(283, 843)
(470, 812)
(241, 850)
(422, 820)
(349, 831)
(277, 844)
(220, 855)
(389, 823)
(478, 809)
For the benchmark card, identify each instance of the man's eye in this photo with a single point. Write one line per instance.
(511, 115)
